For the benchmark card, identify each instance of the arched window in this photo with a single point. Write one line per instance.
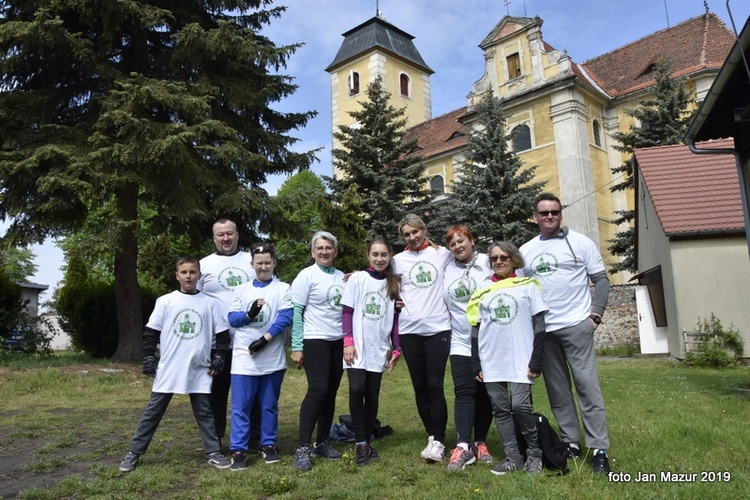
(521, 138)
(597, 133)
(437, 185)
(353, 83)
(405, 84)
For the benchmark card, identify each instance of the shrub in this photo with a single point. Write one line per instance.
(88, 313)
(722, 345)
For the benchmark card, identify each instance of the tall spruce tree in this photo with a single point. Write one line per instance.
(133, 103)
(493, 193)
(375, 158)
(661, 120)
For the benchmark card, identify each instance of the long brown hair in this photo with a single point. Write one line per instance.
(392, 280)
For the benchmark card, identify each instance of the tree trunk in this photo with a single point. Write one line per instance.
(127, 291)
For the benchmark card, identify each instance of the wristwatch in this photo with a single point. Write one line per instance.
(596, 319)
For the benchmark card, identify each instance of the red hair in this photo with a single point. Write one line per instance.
(456, 230)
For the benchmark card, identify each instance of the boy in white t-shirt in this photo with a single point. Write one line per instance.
(183, 323)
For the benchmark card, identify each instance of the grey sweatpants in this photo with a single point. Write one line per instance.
(154, 412)
(570, 352)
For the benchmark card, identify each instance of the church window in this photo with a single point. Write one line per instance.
(353, 83)
(521, 138)
(405, 84)
(437, 185)
(514, 65)
(597, 133)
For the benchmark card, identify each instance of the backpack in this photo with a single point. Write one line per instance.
(554, 450)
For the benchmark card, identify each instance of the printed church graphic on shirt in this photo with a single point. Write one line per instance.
(372, 307)
(187, 324)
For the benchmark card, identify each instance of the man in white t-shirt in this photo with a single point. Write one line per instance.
(564, 261)
(224, 271)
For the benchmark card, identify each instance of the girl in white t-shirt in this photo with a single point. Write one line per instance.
(425, 328)
(370, 325)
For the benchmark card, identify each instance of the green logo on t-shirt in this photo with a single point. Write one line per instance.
(503, 309)
(188, 324)
(231, 277)
(333, 297)
(374, 306)
(544, 263)
(423, 274)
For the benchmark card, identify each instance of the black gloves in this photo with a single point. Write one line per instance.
(258, 345)
(254, 309)
(217, 364)
(149, 365)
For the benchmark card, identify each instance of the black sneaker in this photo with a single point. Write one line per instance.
(322, 450)
(601, 463)
(574, 452)
(270, 454)
(373, 454)
(362, 455)
(238, 461)
(302, 459)
(130, 462)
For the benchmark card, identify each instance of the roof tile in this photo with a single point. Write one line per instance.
(692, 192)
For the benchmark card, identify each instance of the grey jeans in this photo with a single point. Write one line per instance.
(510, 396)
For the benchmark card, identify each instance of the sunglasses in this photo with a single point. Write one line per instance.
(547, 213)
(501, 258)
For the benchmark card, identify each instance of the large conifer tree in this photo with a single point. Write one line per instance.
(493, 193)
(162, 103)
(661, 120)
(375, 158)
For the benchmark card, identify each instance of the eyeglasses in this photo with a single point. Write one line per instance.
(260, 249)
(501, 258)
(323, 249)
(547, 213)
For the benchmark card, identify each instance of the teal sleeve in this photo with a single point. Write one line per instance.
(297, 328)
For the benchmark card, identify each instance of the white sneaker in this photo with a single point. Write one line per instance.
(436, 452)
(426, 451)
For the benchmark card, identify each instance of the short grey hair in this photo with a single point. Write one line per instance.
(509, 248)
(326, 236)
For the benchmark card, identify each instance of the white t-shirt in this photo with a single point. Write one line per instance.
(372, 320)
(564, 275)
(272, 357)
(459, 283)
(188, 324)
(221, 274)
(504, 311)
(424, 312)
(320, 293)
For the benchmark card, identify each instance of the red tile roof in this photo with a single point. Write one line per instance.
(440, 134)
(700, 42)
(692, 192)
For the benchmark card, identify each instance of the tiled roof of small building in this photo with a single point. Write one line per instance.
(692, 192)
(441, 134)
(377, 32)
(700, 42)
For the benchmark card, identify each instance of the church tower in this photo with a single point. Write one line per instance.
(378, 48)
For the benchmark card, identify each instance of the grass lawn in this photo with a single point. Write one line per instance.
(65, 424)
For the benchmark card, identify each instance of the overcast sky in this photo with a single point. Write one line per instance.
(447, 34)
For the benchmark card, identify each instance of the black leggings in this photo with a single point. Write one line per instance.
(324, 365)
(364, 397)
(426, 356)
(473, 410)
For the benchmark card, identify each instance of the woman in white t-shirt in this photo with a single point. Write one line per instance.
(509, 314)
(472, 409)
(425, 328)
(318, 345)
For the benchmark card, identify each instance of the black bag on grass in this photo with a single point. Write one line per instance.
(554, 450)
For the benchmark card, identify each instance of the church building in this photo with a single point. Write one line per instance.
(561, 113)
